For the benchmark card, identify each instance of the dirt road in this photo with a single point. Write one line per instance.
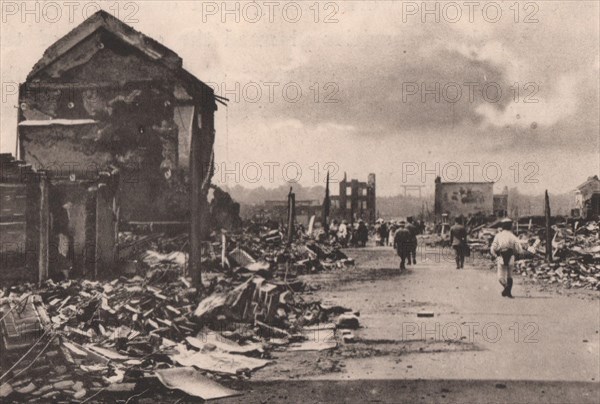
(542, 346)
(475, 333)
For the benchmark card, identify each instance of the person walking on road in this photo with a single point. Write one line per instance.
(391, 233)
(333, 230)
(362, 233)
(343, 233)
(410, 226)
(504, 249)
(384, 233)
(458, 241)
(403, 244)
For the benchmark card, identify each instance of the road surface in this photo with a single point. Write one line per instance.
(541, 346)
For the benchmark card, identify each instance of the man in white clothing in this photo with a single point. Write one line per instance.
(343, 233)
(504, 249)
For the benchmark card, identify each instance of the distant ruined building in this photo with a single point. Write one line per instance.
(466, 199)
(587, 198)
(356, 200)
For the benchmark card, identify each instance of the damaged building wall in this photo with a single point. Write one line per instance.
(131, 129)
(587, 198)
(52, 225)
(107, 96)
(463, 198)
(83, 226)
(356, 200)
(24, 222)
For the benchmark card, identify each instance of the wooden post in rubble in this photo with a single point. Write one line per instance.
(44, 229)
(326, 206)
(201, 171)
(196, 177)
(291, 215)
(223, 250)
(548, 228)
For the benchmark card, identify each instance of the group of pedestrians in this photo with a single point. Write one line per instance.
(349, 234)
(504, 249)
(402, 235)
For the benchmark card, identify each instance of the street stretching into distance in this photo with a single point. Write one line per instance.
(477, 347)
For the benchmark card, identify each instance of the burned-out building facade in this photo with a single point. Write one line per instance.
(121, 131)
(468, 199)
(500, 204)
(106, 96)
(356, 200)
(587, 198)
(463, 199)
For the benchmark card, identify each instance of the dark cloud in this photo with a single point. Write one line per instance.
(374, 78)
(382, 94)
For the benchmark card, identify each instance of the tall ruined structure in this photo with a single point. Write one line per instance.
(106, 98)
(105, 95)
(356, 200)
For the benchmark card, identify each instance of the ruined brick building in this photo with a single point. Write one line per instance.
(356, 200)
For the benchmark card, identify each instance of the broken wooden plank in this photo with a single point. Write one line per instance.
(221, 362)
(222, 343)
(311, 345)
(192, 382)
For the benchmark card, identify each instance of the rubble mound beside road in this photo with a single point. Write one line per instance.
(84, 339)
(575, 253)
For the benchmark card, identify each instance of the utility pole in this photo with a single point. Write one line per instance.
(291, 215)
(548, 234)
(326, 206)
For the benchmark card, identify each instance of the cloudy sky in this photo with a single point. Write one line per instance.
(368, 86)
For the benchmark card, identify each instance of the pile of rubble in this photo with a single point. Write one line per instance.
(576, 258)
(480, 240)
(258, 247)
(78, 339)
(575, 252)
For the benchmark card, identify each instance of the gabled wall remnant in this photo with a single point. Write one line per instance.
(107, 96)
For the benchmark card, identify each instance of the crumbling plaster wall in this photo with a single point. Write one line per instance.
(462, 198)
(132, 103)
